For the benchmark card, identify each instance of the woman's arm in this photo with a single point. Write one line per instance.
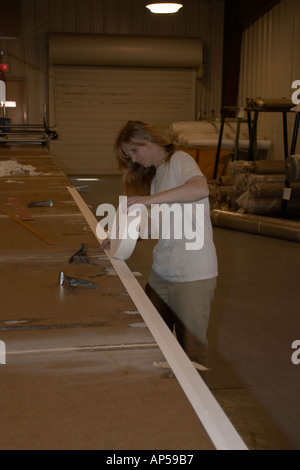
(194, 189)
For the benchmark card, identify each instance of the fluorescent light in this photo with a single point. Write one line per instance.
(164, 7)
(87, 179)
(9, 104)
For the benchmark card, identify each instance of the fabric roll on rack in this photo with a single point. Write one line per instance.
(192, 127)
(240, 166)
(263, 167)
(224, 192)
(181, 129)
(263, 205)
(267, 190)
(225, 180)
(270, 103)
(243, 181)
(204, 140)
(206, 134)
(260, 225)
(261, 188)
(292, 168)
(250, 204)
(273, 190)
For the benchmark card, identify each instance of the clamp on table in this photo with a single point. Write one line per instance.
(74, 282)
(41, 203)
(80, 255)
(82, 189)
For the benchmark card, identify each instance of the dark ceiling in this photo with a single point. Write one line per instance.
(239, 15)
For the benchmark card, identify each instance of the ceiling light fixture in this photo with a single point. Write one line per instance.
(164, 7)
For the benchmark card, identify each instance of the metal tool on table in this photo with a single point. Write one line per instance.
(75, 282)
(80, 255)
(41, 203)
(82, 189)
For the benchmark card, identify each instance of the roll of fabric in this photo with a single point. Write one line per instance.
(225, 180)
(204, 127)
(198, 139)
(241, 181)
(269, 178)
(204, 141)
(269, 166)
(260, 225)
(206, 134)
(273, 190)
(270, 103)
(223, 193)
(261, 144)
(191, 127)
(267, 190)
(240, 166)
(292, 168)
(263, 206)
(244, 181)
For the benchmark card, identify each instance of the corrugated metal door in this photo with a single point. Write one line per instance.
(91, 104)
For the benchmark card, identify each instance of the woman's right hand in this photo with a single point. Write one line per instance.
(105, 245)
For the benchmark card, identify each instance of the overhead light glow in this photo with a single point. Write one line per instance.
(9, 104)
(164, 7)
(87, 179)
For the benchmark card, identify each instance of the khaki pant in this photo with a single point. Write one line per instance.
(185, 307)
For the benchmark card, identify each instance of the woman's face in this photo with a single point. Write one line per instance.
(146, 154)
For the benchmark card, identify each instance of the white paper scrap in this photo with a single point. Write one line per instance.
(138, 325)
(165, 365)
(12, 167)
(11, 181)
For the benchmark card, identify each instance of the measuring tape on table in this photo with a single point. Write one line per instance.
(29, 227)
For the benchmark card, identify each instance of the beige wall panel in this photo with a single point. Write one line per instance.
(270, 62)
(91, 104)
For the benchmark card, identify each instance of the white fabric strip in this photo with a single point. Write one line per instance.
(217, 425)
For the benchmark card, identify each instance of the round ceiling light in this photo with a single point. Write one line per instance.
(164, 7)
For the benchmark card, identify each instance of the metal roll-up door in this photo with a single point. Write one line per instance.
(89, 104)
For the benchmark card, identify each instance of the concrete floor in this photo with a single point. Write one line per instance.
(69, 382)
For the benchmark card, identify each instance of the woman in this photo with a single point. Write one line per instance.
(182, 282)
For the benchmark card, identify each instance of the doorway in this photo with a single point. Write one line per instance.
(15, 92)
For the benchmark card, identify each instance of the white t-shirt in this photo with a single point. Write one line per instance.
(176, 259)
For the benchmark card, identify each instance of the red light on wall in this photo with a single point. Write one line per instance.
(3, 68)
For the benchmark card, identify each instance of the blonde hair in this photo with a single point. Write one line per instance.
(137, 179)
